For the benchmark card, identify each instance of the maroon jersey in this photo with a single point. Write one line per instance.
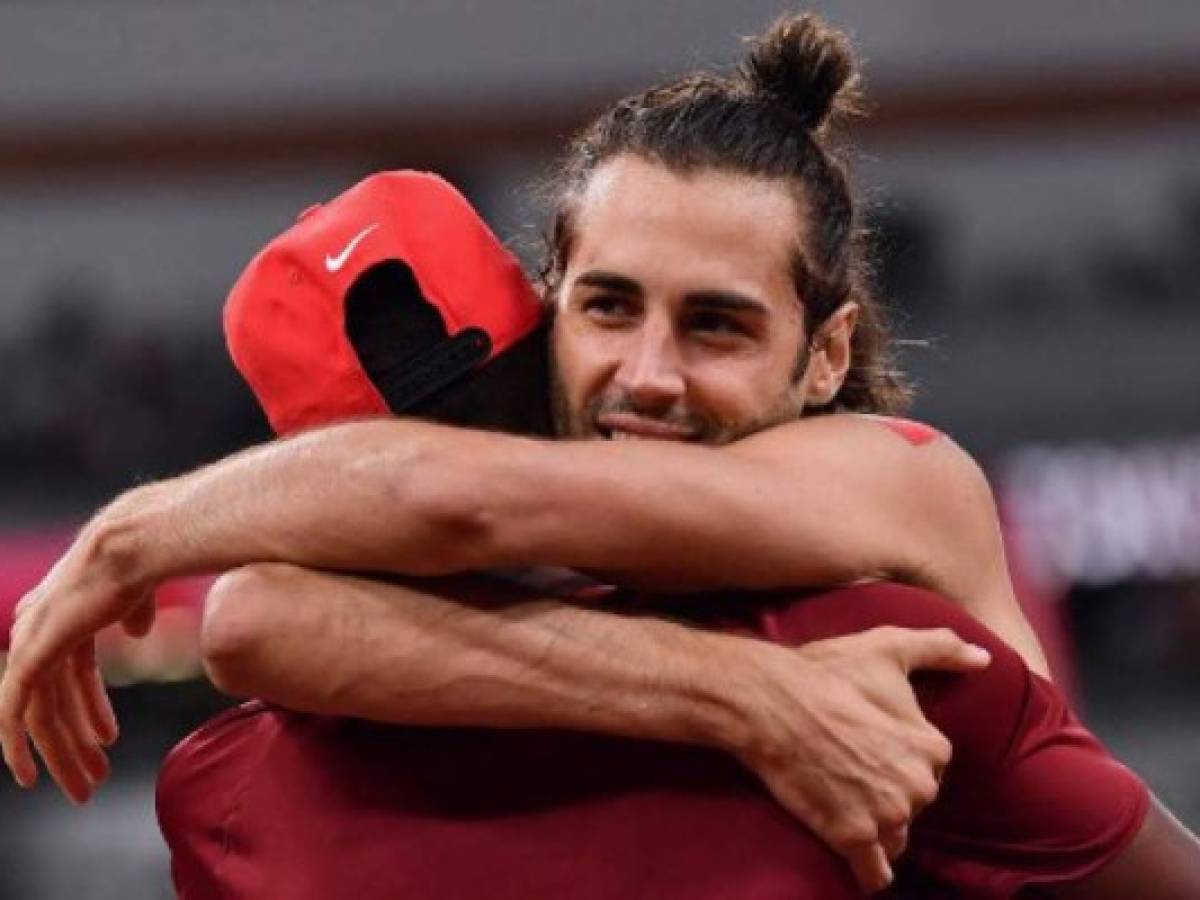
(263, 802)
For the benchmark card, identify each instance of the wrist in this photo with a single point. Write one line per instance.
(117, 545)
(722, 712)
(755, 699)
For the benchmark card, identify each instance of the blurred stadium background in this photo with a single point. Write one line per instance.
(1034, 175)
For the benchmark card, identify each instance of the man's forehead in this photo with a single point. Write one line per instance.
(648, 221)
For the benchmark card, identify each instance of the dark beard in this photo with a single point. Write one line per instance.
(709, 431)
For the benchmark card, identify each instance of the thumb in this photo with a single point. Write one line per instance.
(939, 648)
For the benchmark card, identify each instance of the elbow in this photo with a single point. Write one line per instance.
(461, 510)
(238, 615)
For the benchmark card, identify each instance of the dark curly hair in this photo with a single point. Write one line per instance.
(769, 118)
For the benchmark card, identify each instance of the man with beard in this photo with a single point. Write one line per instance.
(681, 252)
(263, 800)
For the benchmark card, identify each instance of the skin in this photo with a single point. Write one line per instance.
(658, 360)
(618, 370)
(505, 500)
(465, 652)
(448, 654)
(679, 320)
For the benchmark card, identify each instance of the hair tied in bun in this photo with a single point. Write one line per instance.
(804, 65)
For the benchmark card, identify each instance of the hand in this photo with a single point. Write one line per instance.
(52, 691)
(837, 735)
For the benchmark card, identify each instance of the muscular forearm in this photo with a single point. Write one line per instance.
(832, 729)
(418, 499)
(446, 655)
(413, 498)
(349, 497)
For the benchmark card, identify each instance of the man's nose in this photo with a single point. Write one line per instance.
(651, 373)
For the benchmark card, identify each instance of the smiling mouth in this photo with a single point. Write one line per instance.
(625, 427)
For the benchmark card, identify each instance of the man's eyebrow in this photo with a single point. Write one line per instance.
(729, 301)
(610, 281)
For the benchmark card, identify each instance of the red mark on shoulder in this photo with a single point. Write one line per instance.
(916, 433)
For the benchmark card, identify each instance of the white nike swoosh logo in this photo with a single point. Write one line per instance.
(334, 263)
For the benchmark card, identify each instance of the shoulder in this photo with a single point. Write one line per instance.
(1047, 804)
(1030, 795)
(893, 459)
(905, 443)
(952, 701)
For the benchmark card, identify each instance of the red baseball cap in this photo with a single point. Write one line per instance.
(285, 319)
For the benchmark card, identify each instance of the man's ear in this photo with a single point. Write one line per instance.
(830, 355)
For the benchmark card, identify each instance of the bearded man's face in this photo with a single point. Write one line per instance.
(677, 316)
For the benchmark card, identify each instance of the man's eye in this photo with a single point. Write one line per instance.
(715, 324)
(606, 307)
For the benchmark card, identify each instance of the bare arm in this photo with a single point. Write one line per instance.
(421, 499)
(458, 651)
(832, 729)
(823, 501)
(774, 510)
(1161, 863)
(470, 653)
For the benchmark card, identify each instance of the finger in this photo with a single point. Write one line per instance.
(937, 648)
(139, 622)
(870, 866)
(923, 788)
(940, 751)
(93, 693)
(80, 730)
(71, 751)
(894, 841)
(14, 699)
(53, 744)
(42, 641)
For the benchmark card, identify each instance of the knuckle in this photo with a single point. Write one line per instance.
(854, 832)
(925, 791)
(894, 808)
(941, 750)
(894, 816)
(925, 741)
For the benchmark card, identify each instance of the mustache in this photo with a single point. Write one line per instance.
(682, 419)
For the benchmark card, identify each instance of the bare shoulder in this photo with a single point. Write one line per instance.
(880, 450)
(914, 495)
(853, 431)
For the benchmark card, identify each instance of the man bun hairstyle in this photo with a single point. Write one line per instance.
(769, 118)
(805, 66)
